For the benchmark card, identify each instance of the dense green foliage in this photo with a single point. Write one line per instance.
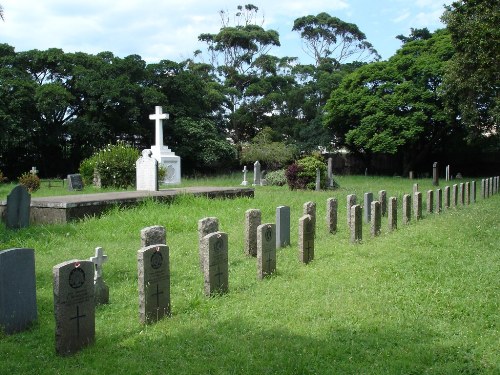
(276, 178)
(302, 173)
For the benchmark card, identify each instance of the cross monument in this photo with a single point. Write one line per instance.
(158, 118)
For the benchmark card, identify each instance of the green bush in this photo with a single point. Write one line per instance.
(302, 174)
(276, 178)
(30, 181)
(2, 177)
(115, 165)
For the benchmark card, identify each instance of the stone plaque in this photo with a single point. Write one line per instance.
(146, 168)
(75, 182)
(74, 306)
(18, 208)
(154, 283)
(306, 239)
(282, 226)
(216, 268)
(266, 250)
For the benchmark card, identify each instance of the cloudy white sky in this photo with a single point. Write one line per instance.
(169, 29)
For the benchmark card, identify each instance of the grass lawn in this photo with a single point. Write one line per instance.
(424, 299)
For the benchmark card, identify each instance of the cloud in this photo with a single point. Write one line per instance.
(402, 17)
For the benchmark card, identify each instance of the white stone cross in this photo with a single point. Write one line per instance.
(158, 117)
(245, 182)
(34, 171)
(98, 260)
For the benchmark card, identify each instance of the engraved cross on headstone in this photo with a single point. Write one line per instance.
(157, 294)
(77, 317)
(98, 261)
(158, 117)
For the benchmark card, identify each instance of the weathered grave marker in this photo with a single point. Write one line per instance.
(447, 173)
(318, 179)
(330, 172)
(306, 239)
(206, 226)
(18, 309)
(392, 214)
(367, 207)
(351, 201)
(415, 188)
(406, 209)
(18, 208)
(382, 198)
(101, 290)
(146, 172)
(75, 182)
(439, 201)
(252, 221)
(74, 305)
(447, 197)
(461, 195)
(473, 191)
(376, 219)
(153, 235)
(282, 226)
(244, 182)
(153, 269)
(266, 250)
(417, 205)
(331, 214)
(467, 192)
(216, 267)
(256, 174)
(356, 224)
(454, 196)
(309, 208)
(430, 201)
(435, 174)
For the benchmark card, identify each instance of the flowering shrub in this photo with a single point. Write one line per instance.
(276, 178)
(30, 181)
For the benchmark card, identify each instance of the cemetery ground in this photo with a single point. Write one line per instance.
(424, 298)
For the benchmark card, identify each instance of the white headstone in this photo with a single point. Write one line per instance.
(146, 172)
(256, 174)
(244, 182)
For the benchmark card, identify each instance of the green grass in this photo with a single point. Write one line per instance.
(421, 300)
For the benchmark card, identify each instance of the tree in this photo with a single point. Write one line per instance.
(395, 106)
(473, 77)
(1, 13)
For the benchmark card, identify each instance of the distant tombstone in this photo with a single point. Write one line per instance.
(206, 226)
(376, 218)
(367, 207)
(430, 201)
(406, 209)
(439, 201)
(153, 270)
(75, 182)
(415, 188)
(331, 214)
(454, 196)
(330, 172)
(216, 267)
(467, 192)
(18, 308)
(417, 205)
(459, 176)
(461, 193)
(74, 305)
(244, 182)
(392, 214)
(435, 174)
(153, 235)
(447, 197)
(490, 187)
(18, 208)
(309, 208)
(473, 191)
(34, 171)
(351, 201)
(96, 181)
(256, 174)
(318, 179)
(483, 188)
(447, 173)
(101, 290)
(410, 175)
(306, 239)
(282, 226)
(252, 221)
(356, 224)
(266, 250)
(146, 171)
(382, 198)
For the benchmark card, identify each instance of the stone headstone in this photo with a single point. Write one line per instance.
(96, 180)
(18, 208)
(282, 226)
(435, 174)
(256, 174)
(439, 201)
(376, 218)
(330, 172)
(153, 269)
(356, 224)
(447, 197)
(318, 179)
(266, 250)
(34, 171)
(392, 214)
(331, 214)
(417, 205)
(18, 309)
(101, 290)
(206, 226)
(415, 188)
(351, 201)
(410, 175)
(483, 188)
(454, 196)
(461, 193)
(406, 209)
(430, 201)
(146, 171)
(216, 267)
(367, 207)
(75, 182)
(74, 305)
(382, 198)
(473, 191)
(244, 182)
(306, 239)
(252, 221)
(309, 208)
(447, 173)
(153, 235)
(467, 192)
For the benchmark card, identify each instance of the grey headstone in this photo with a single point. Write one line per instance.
(382, 198)
(392, 214)
(410, 175)
(282, 226)
(330, 172)
(153, 235)
(331, 214)
(435, 174)
(74, 305)
(467, 192)
(101, 290)
(266, 250)
(439, 201)
(447, 173)
(406, 209)
(417, 205)
(206, 226)
(309, 208)
(376, 219)
(18, 208)
(415, 188)
(473, 191)
(318, 179)
(351, 201)
(367, 207)
(430, 201)
(306, 239)
(146, 171)
(18, 308)
(447, 197)
(216, 267)
(252, 221)
(461, 194)
(356, 224)
(454, 196)
(75, 182)
(256, 174)
(153, 270)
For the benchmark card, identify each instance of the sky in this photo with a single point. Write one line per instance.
(168, 30)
